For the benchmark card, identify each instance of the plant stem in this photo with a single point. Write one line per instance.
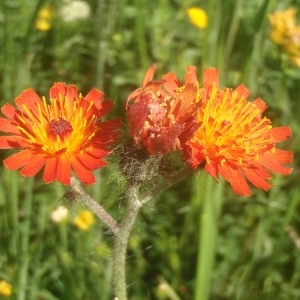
(93, 205)
(121, 242)
(164, 185)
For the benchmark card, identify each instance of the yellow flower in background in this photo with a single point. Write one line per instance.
(197, 16)
(5, 288)
(286, 33)
(84, 220)
(282, 23)
(44, 17)
(45, 13)
(292, 46)
(42, 25)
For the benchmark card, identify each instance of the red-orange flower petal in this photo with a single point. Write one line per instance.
(161, 114)
(61, 135)
(234, 139)
(83, 173)
(19, 159)
(50, 172)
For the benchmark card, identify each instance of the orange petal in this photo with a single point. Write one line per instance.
(64, 169)
(274, 166)
(256, 180)
(149, 74)
(280, 134)
(260, 104)
(8, 126)
(105, 107)
(91, 162)
(133, 95)
(31, 100)
(71, 97)
(262, 172)
(50, 171)
(97, 152)
(8, 142)
(94, 96)
(59, 88)
(242, 91)
(84, 174)
(281, 156)
(190, 75)
(18, 160)
(212, 170)
(108, 133)
(236, 179)
(211, 76)
(9, 111)
(192, 156)
(72, 93)
(187, 103)
(34, 165)
(171, 83)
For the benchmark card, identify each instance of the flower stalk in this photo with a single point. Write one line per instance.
(133, 206)
(93, 205)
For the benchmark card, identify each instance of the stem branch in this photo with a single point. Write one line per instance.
(93, 205)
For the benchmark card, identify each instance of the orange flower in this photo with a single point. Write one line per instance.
(63, 135)
(234, 140)
(161, 113)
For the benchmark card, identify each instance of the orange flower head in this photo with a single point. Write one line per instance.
(234, 140)
(161, 114)
(63, 135)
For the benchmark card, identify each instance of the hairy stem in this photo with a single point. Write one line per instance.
(166, 184)
(121, 242)
(79, 192)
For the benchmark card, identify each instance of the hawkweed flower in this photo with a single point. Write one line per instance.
(286, 33)
(63, 135)
(5, 288)
(234, 140)
(161, 113)
(292, 46)
(84, 220)
(282, 23)
(197, 17)
(44, 18)
(74, 10)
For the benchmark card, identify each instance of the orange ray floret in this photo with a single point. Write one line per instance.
(161, 114)
(64, 135)
(234, 140)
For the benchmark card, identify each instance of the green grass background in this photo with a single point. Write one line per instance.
(196, 241)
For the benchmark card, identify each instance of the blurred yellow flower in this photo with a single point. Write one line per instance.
(44, 17)
(42, 25)
(197, 16)
(5, 288)
(292, 46)
(84, 220)
(45, 13)
(282, 23)
(286, 33)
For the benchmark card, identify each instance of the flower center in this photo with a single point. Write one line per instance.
(60, 127)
